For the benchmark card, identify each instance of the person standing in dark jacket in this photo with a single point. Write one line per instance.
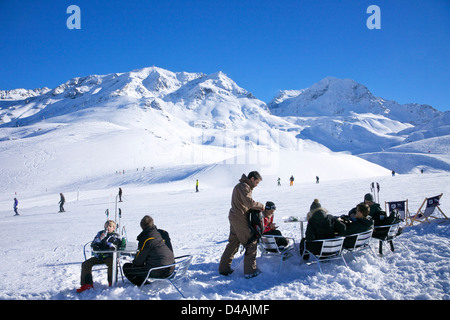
(153, 252)
(321, 225)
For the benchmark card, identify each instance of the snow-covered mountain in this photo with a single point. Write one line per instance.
(345, 97)
(345, 116)
(96, 125)
(92, 126)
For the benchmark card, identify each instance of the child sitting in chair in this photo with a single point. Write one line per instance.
(106, 239)
(269, 227)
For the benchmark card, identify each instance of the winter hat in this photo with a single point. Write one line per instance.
(315, 205)
(270, 205)
(146, 222)
(368, 197)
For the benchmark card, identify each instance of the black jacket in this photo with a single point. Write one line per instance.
(323, 226)
(153, 252)
(104, 242)
(354, 226)
(358, 225)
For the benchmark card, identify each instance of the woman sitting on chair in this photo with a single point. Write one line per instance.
(321, 225)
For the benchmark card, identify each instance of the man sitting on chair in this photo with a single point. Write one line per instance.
(153, 252)
(358, 223)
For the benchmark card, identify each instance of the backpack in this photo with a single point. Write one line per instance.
(255, 224)
(381, 218)
(165, 235)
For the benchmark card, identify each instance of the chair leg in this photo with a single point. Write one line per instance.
(121, 273)
(281, 263)
(392, 245)
(177, 288)
(380, 249)
(320, 269)
(345, 262)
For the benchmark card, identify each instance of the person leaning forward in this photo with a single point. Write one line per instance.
(153, 252)
(241, 202)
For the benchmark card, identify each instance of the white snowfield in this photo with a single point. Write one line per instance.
(154, 132)
(42, 250)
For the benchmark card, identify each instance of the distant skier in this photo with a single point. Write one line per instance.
(291, 179)
(279, 181)
(120, 194)
(196, 186)
(61, 202)
(317, 179)
(16, 205)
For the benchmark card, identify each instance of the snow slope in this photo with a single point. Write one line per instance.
(184, 110)
(153, 133)
(95, 126)
(45, 248)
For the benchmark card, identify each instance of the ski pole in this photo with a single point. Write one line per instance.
(120, 216)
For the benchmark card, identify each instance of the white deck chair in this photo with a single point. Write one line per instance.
(386, 233)
(330, 249)
(431, 210)
(361, 242)
(181, 265)
(269, 247)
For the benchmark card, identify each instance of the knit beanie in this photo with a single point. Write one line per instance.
(315, 205)
(368, 197)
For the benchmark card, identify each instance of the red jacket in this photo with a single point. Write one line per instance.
(267, 222)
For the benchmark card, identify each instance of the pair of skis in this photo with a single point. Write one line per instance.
(375, 189)
(118, 211)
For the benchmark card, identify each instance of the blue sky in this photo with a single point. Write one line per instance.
(264, 46)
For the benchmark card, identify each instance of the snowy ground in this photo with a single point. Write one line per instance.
(41, 249)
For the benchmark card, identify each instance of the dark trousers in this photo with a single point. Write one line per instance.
(86, 269)
(137, 275)
(280, 241)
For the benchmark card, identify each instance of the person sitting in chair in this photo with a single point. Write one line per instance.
(377, 214)
(106, 239)
(153, 252)
(360, 222)
(321, 225)
(269, 227)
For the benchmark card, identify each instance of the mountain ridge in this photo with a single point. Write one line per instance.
(153, 116)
